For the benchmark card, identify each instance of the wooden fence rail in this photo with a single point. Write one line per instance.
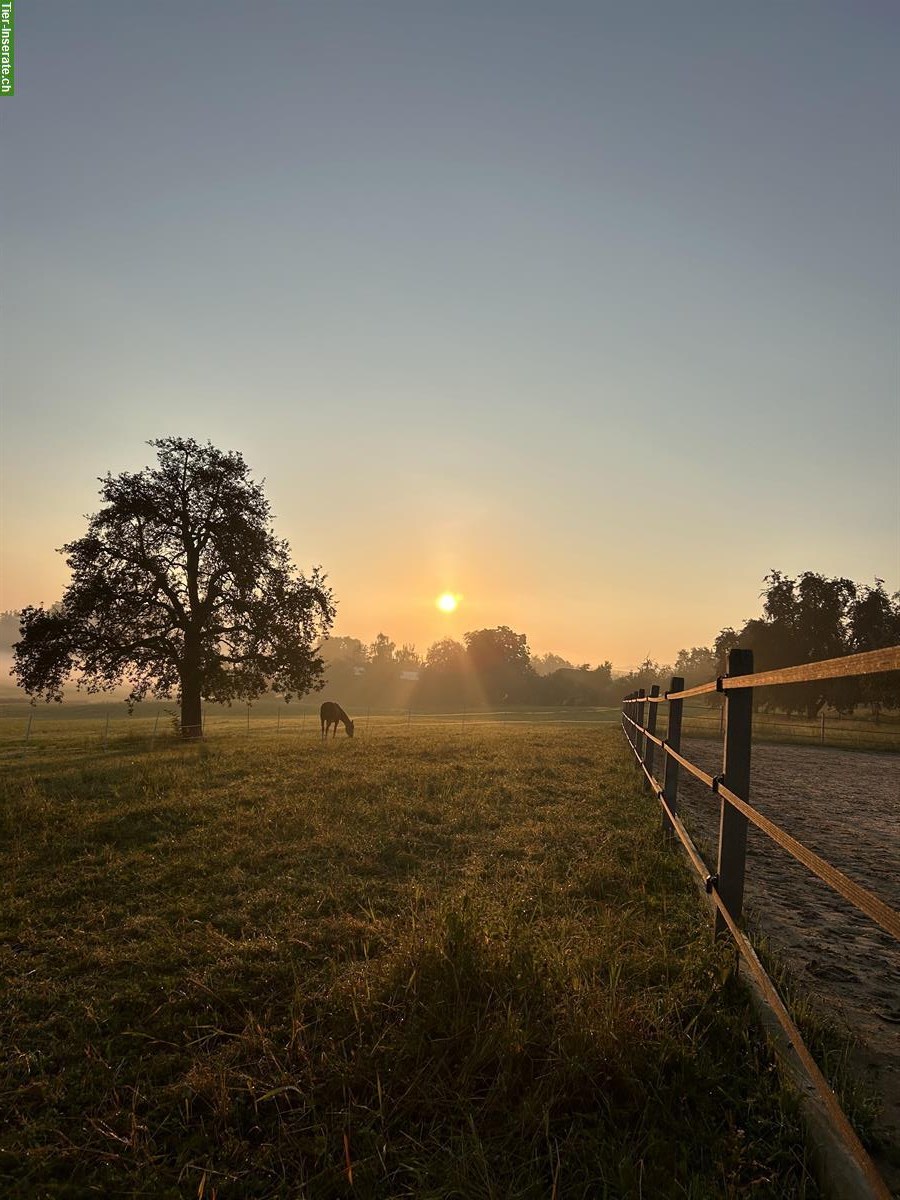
(725, 885)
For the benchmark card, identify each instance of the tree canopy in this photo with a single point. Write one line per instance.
(501, 660)
(814, 617)
(805, 619)
(180, 587)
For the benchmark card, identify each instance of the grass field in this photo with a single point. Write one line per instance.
(91, 726)
(432, 962)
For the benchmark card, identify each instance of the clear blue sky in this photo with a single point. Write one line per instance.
(544, 304)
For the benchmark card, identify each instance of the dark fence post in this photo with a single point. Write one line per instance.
(673, 739)
(629, 728)
(650, 747)
(640, 709)
(736, 769)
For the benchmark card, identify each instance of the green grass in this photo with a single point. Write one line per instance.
(452, 962)
(88, 727)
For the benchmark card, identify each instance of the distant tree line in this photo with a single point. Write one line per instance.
(180, 587)
(489, 667)
(9, 629)
(804, 620)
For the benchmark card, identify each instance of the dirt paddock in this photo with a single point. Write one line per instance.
(844, 805)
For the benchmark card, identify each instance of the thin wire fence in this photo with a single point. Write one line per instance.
(98, 729)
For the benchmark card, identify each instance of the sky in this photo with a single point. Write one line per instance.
(586, 312)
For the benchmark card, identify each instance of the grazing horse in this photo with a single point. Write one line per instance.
(330, 713)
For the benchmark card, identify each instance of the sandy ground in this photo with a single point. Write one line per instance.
(845, 805)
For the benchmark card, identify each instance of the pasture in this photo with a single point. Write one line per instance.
(450, 960)
(91, 726)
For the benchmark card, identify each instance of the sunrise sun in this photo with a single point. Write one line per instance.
(447, 602)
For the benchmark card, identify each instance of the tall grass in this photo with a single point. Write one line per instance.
(450, 963)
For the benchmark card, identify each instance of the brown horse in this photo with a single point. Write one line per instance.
(330, 714)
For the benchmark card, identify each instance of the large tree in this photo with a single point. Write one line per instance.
(808, 619)
(805, 621)
(444, 681)
(697, 665)
(501, 661)
(874, 623)
(180, 587)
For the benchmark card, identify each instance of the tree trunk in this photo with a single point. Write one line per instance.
(191, 711)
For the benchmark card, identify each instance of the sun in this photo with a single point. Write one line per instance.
(447, 602)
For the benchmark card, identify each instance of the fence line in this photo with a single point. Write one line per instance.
(847, 1134)
(835, 729)
(726, 885)
(870, 662)
(864, 900)
(152, 729)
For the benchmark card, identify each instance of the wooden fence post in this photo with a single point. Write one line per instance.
(673, 739)
(625, 714)
(639, 711)
(736, 771)
(650, 747)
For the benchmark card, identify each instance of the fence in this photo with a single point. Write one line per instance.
(92, 729)
(725, 885)
(827, 729)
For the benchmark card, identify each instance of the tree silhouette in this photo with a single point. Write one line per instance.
(874, 622)
(546, 664)
(805, 621)
(446, 655)
(501, 660)
(697, 665)
(180, 587)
